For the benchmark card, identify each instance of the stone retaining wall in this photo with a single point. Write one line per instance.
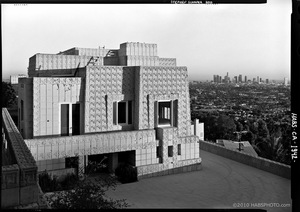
(19, 181)
(257, 162)
(183, 169)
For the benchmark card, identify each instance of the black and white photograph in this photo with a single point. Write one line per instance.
(177, 105)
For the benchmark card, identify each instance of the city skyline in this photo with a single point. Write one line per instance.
(243, 78)
(259, 42)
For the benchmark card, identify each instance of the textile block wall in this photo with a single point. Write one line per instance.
(167, 61)
(162, 83)
(48, 95)
(138, 49)
(70, 146)
(92, 51)
(53, 61)
(105, 85)
(137, 60)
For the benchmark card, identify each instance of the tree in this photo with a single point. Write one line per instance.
(239, 126)
(253, 127)
(225, 127)
(262, 129)
(273, 149)
(248, 137)
(9, 97)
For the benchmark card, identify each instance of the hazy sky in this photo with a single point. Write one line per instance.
(249, 39)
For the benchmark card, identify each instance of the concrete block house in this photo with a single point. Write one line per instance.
(126, 105)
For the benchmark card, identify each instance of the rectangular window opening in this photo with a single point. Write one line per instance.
(75, 119)
(170, 151)
(158, 151)
(122, 112)
(164, 113)
(64, 119)
(179, 149)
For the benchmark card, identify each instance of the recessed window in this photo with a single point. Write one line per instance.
(164, 113)
(179, 149)
(158, 151)
(170, 151)
(122, 112)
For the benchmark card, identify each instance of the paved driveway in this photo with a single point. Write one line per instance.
(221, 183)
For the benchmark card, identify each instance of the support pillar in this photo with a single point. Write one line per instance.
(81, 166)
(113, 162)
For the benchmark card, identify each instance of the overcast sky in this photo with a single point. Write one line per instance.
(249, 39)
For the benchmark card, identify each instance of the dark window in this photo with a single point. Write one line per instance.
(122, 113)
(64, 119)
(75, 119)
(179, 149)
(170, 151)
(158, 151)
(164, 113)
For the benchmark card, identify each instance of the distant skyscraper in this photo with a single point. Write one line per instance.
(240, 78)
(215, 78)
(260, 79)
(245, 78)
(267, 81)
(257, 78)
(226, 78)
(220, 79)
(235, 79)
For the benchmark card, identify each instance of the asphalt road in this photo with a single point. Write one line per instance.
(220, 184)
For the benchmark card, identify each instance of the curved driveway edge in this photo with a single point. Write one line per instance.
(221, 183)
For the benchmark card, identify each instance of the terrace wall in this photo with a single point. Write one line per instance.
(19, 181)
(257, 162)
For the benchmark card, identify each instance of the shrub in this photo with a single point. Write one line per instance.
(70, 181)
(95, 167)
(48, 183)
(126, 173)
